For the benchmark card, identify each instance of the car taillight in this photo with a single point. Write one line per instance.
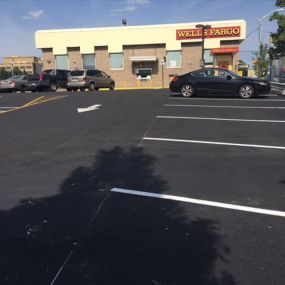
(85, 78)
(175, 78)
(42, 77)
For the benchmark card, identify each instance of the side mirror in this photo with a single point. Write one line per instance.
(229, 77)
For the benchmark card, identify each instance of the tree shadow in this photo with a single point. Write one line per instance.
(110, 238)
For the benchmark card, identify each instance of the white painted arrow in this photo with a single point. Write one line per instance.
(91, 108)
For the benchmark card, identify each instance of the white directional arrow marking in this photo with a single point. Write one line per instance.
(91, 108)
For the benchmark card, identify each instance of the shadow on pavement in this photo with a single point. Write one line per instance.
(110, 238)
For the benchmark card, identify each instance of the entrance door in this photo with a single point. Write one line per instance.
(223, 64)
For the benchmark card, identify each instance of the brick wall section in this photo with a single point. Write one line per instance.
(75, 58)
(191, 56)
(48, 59)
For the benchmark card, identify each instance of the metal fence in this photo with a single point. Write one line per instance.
(277, 73)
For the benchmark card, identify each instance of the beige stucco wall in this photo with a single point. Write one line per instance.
(114, 38)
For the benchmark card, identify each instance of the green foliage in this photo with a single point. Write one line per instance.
(261, 61)
(278, 38)
(4, 74)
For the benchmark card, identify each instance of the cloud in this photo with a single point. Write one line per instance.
(126, 9)
(132, 5)
(34, 15)
(137, 2)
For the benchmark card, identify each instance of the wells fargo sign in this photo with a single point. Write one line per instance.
(225, 50)
(220, 32)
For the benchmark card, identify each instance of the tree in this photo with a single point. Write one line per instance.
(4, 74)
(261, 61)
(278, 38)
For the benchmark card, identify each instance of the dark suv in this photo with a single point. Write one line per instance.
(51, 79)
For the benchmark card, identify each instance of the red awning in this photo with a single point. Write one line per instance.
(225, 50)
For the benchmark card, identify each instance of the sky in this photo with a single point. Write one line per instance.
(21, 18)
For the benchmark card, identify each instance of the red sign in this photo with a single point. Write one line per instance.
(225, 50)
(220, 32)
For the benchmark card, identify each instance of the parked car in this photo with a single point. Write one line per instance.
(219, 81)
(93, 79)
(6, 86)
(18, 81)
(52, 79)
(33, 83)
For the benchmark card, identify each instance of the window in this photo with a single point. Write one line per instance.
(61, 61)
(144, 73)
(77, 73)
(116, 61)
(209, 58)
(89, 61)
(173, 59)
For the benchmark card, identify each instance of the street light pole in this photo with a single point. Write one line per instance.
(260, 27)
(203, 27)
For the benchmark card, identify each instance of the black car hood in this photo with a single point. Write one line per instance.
(256, 79)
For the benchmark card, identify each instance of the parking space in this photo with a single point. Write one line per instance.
(210, 208)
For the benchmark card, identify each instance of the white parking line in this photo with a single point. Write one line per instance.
(215, 143)
(232, 99)
(8, 107)
(200, 202)
(222, 106)
(219, 119)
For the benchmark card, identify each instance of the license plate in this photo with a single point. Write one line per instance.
(74, 79)
(33, 84)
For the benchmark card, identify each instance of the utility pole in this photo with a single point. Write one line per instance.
(204, 28)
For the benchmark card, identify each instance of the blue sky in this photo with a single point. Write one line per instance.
(21, 18)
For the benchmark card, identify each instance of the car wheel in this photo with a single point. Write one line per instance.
(22, 89)
(68, 89)
(112, 86)
(246, 91)
(187, 90)
(52, 87)
(92, 86)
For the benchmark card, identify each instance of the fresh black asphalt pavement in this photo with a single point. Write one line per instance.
(63, 223)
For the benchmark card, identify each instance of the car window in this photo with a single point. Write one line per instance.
(104, 74)
(15, 77)
(209, 72)
(221, 73)
(47, 72)
(77, 73)
(90, 73)
(199, 73)
(97, 73)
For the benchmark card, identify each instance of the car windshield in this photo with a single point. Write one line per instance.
(76, 73)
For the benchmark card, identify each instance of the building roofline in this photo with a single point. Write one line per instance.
(137, 27)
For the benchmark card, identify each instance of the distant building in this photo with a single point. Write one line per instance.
(27, 64)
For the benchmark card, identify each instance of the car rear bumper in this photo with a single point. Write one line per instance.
(77, 84)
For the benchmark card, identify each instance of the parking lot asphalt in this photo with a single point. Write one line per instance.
(149, 188)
